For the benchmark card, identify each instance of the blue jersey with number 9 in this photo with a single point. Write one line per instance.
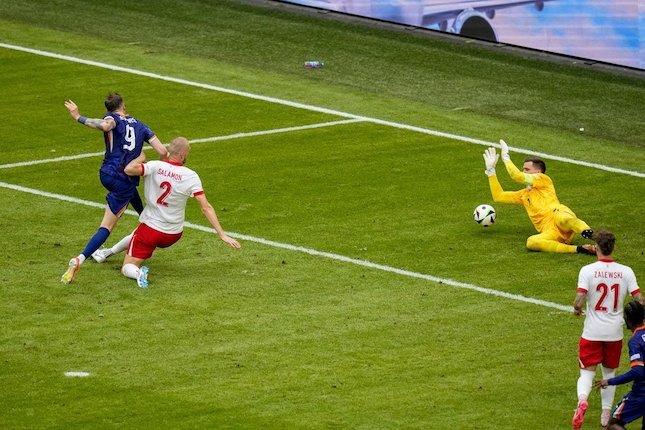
(123, 144)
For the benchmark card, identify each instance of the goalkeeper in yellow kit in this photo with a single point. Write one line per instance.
(556, 224)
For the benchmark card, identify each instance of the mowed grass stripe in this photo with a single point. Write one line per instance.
(202, 113)
(314, 252)
(318, 109)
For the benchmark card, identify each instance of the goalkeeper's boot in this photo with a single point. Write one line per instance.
(100, 255)
(587, 234)
(604, 418)
(68, 276)
(579, 415)
(586, 249)
(142, 279)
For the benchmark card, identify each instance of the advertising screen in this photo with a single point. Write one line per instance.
(603, 30)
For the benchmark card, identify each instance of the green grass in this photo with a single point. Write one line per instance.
(267, 337)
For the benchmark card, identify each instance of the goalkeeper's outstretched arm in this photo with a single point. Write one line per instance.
(501, 196)
(496, 190)
(513, 171)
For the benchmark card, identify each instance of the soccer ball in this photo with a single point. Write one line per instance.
(484, 215)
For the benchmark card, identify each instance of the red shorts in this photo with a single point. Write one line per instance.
(145, 239)
(593, 352)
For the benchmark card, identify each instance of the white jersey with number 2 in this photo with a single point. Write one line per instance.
(606, 284)
(168, 186)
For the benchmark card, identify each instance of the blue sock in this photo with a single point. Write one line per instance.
(96, 241)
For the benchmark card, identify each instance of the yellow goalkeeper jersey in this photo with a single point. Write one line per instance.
(538, 198)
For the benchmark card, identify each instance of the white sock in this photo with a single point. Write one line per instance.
(121, 245)
(585, 381)
(607, 394)
(81, 258)
(130, 270)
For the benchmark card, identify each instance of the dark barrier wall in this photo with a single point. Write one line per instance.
(611, 31)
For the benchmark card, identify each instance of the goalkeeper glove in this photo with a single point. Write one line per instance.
(490, 158)
(504, 147)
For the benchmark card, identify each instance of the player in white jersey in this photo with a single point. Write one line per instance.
(604, 285)
(168, 186)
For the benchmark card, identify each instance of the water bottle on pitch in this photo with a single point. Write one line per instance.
(313, 64)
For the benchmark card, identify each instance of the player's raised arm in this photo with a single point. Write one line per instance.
(515, 173)
(159, 147)
(96, 123)
(496, 190)
(211, 216)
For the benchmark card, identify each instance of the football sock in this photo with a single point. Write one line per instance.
(607, 394)
(585, 381)
(136, 202)
(96, 241)
(81, 258)
(130, 270)
(121, 245)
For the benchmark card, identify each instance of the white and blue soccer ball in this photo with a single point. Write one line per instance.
(484, 215)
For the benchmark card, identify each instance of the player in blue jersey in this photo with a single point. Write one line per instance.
(124, 137)
(632, 406)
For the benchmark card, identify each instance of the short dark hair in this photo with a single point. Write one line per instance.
(634, 314)
(605, 240)
(113, 102)
(537, 162)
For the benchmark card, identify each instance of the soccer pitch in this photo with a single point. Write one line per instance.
(364, 295)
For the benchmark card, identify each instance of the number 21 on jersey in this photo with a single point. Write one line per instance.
(607, 293)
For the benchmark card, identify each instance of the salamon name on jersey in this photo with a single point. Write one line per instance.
(608, 275)
(169, 174)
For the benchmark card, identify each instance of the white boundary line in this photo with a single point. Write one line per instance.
(314, 252)
(207, 139)
(316, 108)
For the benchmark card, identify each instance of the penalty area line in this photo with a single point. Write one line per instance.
(277, 130)
(313, 252)
(206, 139)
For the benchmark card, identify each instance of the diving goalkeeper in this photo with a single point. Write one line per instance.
(556, 224)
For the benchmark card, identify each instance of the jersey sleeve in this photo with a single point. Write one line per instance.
(149, 167)
(636, 363)
(540, 180)
(583, 281)
(147, 133)
(632, 285)
(196, 187)
(499, 195)
(111, 117)
(517, 175)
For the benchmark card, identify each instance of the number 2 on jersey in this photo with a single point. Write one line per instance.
(604, 289)
(165, 185)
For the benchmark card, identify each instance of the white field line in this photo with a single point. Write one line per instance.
(52, 160)
(316, 109)
(337, 257)
(77, 374)
(277, 130)
(207, 139)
